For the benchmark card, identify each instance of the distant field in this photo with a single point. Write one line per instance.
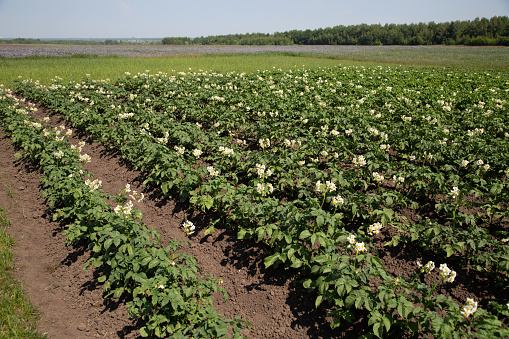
(44, 62)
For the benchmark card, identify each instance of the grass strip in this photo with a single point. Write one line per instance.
(17, 315)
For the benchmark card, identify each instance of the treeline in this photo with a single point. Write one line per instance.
(233, 39)
(478, 32)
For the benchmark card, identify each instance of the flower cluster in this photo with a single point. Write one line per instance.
(264, 189)
(125, 115)
(375, 228)
(164, 139)
(188, 227)
(430, 266)
(226, 151)
(80, 146)
(356, 246)
(85, 158)
(125, 209)
(373, 131)
(378, 177)
(446, 273)
(58, 154)
(134, 195)
(324, 131)
(470, 307)
(481, 163)
(359, 161)
(94, 185)
(351, 240)
(217, 98)
(360, 247)
(197, 153)
(337, 200)
(36, 125)
(398, 179)
(262, 171)
(180, 150)
(264, 143)
(327, 187)
(212, 171)
(58, 133)
(455, 192)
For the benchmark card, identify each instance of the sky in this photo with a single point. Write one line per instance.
(193, 18)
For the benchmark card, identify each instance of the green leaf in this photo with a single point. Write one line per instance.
(319, 220)
(358, 301)
(165, 187)
(307, 283)
(318, 301)
(350, 299)
(321, 258)
(305, 234)
(387, 323)
(145, 261)
(377, 330)
(212, 229)
(449, 250)
(313, 239)
(102, 278)
(296, 263)
(260, 233)
(394, 241)
(153, 263)
(143, 331)
(271, 259)
(208, 201)
(392, 303)
(389, 201)
(107, 243)
(118, 292)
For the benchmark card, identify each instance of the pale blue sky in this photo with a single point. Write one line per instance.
(161, 18)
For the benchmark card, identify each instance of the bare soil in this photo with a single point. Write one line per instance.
(71, 302)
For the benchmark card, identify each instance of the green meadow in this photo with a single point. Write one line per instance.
(77, 67)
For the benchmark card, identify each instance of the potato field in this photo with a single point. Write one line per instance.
(383, 192)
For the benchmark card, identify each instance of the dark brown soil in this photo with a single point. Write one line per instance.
(71, 302)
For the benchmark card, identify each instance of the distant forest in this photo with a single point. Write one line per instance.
(478, 32)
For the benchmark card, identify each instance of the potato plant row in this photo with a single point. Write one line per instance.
(162, 285)
(317, 163)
